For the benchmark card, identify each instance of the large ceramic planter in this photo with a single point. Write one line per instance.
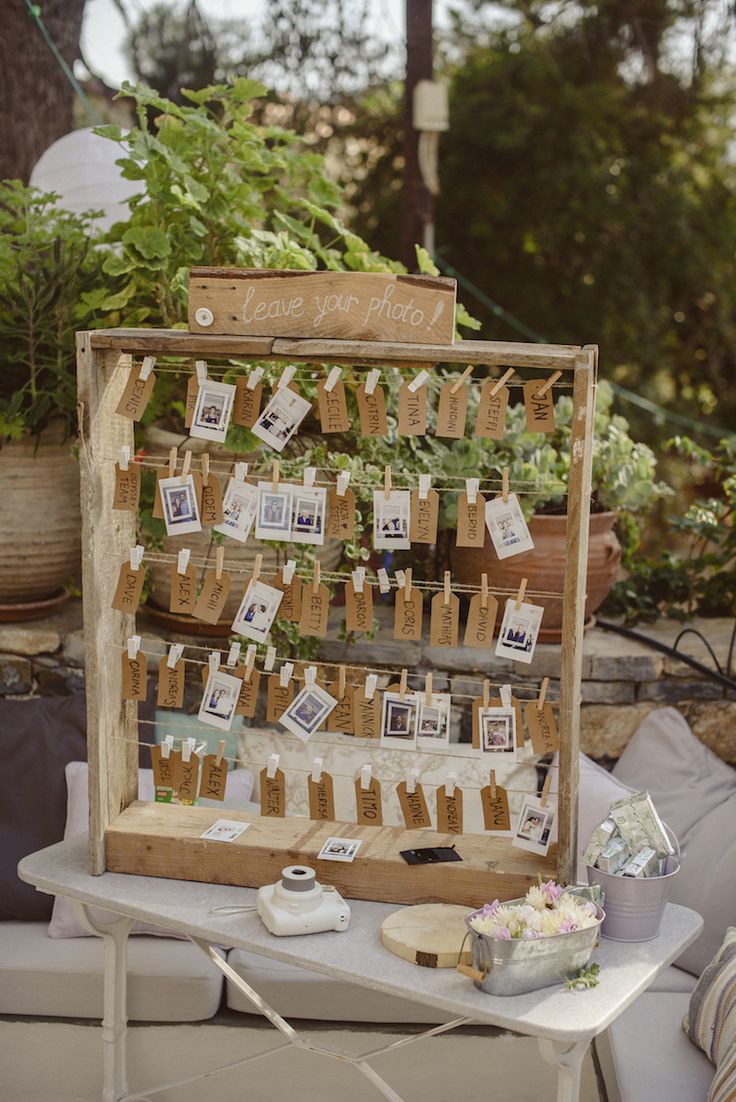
(544, 566)
(40, 522)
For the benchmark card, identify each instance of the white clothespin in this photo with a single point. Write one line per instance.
(136, 556)
(254, 378)
(167, 746)
(233, 655)
(182, 560)
(358, 576)
(200, 366)
(286, 376)
(504, 692)
(269, 660)
(365, 776)
(134, 645)
(471, 490)
(175, 652)
(333, 378)
(287, 571)
(310, 676)
(418, 380)
(342, 483)
(310, 473)
(213, 660)
(400, 579)
(124, 457)
(450, 784)
(425, 482)
(250, 660)
(285, 674)
(371, 684)
(384, 584)
(241, 470)
(317, 769)
(273, 764)
(372, 380)
(187, 748)
(412, 777)
(146, 367)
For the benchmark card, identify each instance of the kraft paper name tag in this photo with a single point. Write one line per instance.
(368, 803)
(412, 414)
(278, 698)
(273, 794)
(444, 621)
(211, 602)
(333, 408)
(248, 695)
(481, 621)
(134, 676)
(372, 411)
(340, 515)
(367, 715)
(542, 727)
(214, 778)
(495, 809)
(247, 403)
(321, 798)
(540, 411)
(158, 509)
(128, 591)
(408, 614)
(491, 420)
(471, 521)
(165, 770)
(190, 401)
(315, 610)
(170, 693)
(413, 807)
(424, 515)
(189, 779)
(127, 488)
(183, 590)
(358, 607)
(290, 608)
(341, 717)
(452, 411)
(210, 509)
(136, 395)
(449, 811)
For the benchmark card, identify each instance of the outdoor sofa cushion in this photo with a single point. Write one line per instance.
(596, 792)
(710, 1022)
(168, 981)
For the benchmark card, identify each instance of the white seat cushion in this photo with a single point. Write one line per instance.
(646, 1057)
(674, 979)
(298, 993)
(168, 981)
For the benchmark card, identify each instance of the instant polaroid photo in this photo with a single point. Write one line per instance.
(308, 711)
(308, 511)
(339, 849)
(257, 611)
(239, 508)
(536, 827)
(391, 520)
(179, 503)
(273, 519)
(224, 830)
(519, 631)
(280, 419)
(219, 700)
(507, 528)
(433, 721)
(212, 412)
(399, 721)
(497, 732)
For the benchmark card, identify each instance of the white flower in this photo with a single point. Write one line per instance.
(536, 898)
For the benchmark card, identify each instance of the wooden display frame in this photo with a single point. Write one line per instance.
(154, 839)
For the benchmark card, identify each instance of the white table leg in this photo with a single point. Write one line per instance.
(115, 1017)
(568, 1060)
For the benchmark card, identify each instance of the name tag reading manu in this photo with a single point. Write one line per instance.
(377, 306)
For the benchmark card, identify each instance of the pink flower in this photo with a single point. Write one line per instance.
(502, 932)
(488, 910)
(552, 892)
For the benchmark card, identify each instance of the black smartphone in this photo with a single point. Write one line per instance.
(430, 855)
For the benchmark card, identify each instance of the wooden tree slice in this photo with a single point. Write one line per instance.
(430, 934)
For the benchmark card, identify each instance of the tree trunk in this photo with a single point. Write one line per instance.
(37, 100)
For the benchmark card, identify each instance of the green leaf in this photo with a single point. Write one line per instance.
(149, 241)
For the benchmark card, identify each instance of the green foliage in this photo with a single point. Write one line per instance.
(50, 270)
(584, 978)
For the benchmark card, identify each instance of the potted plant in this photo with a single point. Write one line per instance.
(50, 276)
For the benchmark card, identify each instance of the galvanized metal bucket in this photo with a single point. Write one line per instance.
(516, 967)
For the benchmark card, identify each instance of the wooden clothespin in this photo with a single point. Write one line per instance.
(186, 464)
(484, 590)
(219, 561)
(501, 382)
(250, 660)
(172, 462)
(205, 462)
(520, 595)
(387, 482)
(428, 688)
(550, 382)
(407, 583)
(402, 684)
(505, 485)
(256, 568)
(459, 382)
(341, 682)
(220, 752)
(492, 782)
(542, 693)
(275, 476)
(486, 693)
(545, 788)
(316, 574)
(448, 590)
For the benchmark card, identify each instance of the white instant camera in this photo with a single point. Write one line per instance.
(297, 904)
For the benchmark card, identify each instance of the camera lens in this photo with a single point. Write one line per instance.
(298, 878)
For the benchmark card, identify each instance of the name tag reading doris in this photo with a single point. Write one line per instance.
(333, 305)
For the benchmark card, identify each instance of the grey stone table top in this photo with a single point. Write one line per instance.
(358, 956)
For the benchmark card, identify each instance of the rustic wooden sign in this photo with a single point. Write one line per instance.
(370, 306)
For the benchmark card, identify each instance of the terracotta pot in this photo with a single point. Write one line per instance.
(544, 566)
(40, 522)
